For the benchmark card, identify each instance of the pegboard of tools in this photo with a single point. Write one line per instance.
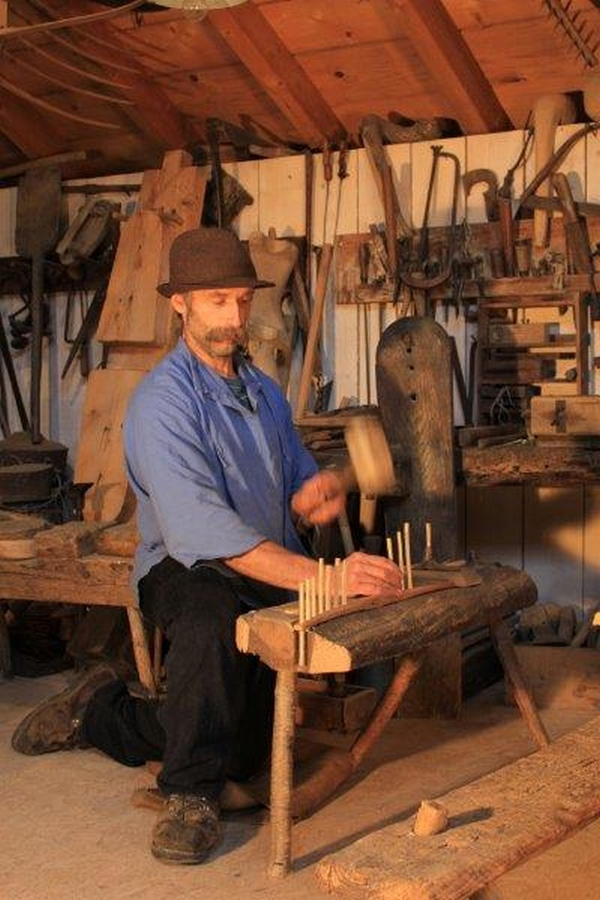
(359, 278)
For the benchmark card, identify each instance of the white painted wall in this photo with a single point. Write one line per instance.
(553, 532)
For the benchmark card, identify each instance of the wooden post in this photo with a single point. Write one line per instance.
(506, 652)
(140, 649)
(398, 686)
(282, 769)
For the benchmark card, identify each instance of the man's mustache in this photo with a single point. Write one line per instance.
(237, 335)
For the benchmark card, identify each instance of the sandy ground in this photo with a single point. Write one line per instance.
(68, 828)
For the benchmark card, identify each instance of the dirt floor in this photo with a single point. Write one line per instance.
(68, 828)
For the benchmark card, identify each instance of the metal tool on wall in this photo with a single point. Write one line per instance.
(37, 231)
(428, 272)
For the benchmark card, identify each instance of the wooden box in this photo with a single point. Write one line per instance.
(575, 415)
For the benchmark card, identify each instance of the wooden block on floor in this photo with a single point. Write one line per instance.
(319, 709)
(495, 823)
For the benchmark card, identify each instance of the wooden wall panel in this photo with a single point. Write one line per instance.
(591, 543)
(281, 196)
(553, 542)
(494, 524)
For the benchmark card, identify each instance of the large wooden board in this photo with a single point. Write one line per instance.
(133, 312)
(100, 460)
(494, 824)
(170, 202)
(414, 387)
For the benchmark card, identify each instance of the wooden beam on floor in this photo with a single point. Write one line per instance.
(451, 63)
(495, 823)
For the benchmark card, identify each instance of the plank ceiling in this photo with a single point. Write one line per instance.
(126, 88)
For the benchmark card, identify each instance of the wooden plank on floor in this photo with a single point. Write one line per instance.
(495, 823)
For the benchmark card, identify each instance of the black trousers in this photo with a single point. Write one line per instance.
(216, 719)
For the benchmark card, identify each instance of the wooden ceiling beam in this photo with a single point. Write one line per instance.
(449, 61)
(27, 129)
(152, 113)
(260, 49)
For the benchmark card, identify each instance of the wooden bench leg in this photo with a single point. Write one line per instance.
(512, 671)
(282, 770)
(140, 649)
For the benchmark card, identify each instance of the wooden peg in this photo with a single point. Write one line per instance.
(400, 556)
(344, 597)
(432, 818)
(302, 620)
(407, 555)
(428, 543)
(337, 571)
(390, 548)
(328, 593)
(321, 586)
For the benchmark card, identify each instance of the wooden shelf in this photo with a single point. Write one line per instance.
(531, 293)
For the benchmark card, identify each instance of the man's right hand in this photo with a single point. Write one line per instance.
(372, 576)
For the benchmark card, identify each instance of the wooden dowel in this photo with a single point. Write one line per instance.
(321, 587)
(428, 544)
(301, 620)
(328, 593)
(338, 581)
(407, 555)
(344, 598)
(390, 548)
(400, 556)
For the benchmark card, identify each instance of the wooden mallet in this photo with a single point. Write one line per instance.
(371, 462)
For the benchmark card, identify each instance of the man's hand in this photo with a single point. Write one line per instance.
(372, 576)
(320, 499)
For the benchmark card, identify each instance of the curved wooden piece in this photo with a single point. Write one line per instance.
(270, 331)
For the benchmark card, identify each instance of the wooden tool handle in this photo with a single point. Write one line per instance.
(550, 111)
(314, 330)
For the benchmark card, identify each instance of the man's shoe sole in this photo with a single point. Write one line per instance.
(96, 678)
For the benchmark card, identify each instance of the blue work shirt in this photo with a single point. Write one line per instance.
(213, 479)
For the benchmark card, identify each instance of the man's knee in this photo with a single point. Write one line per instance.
(202, 606)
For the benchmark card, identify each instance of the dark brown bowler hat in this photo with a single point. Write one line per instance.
(209, 258)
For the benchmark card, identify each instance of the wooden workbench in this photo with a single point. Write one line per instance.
(401, 630)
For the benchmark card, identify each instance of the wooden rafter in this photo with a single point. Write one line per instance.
(26, 129)
(451, 64)
(260, 49)
(152, 113)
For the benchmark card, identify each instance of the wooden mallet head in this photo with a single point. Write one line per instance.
(371, 461)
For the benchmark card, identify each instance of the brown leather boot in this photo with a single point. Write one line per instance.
(55, 723)
(187, 829)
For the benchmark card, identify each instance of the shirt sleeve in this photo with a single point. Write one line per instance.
(175, 470)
